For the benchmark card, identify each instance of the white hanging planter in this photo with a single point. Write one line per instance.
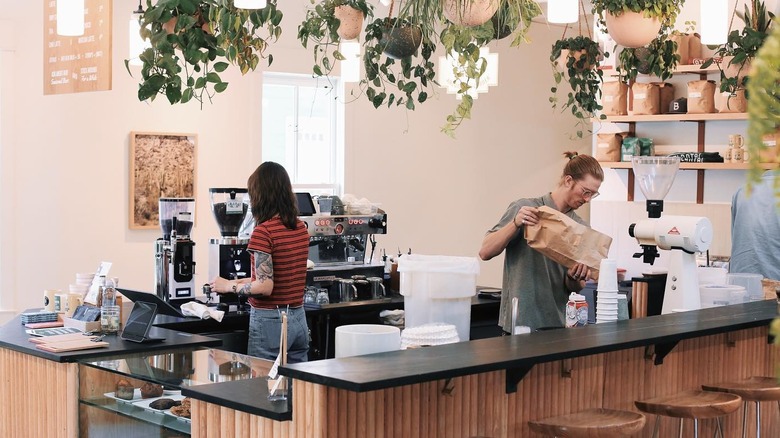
(470, 12)
(632, 29)
(351, 21)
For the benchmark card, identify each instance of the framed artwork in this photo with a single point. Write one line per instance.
(161, 166)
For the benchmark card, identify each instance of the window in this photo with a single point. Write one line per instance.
(303, 129)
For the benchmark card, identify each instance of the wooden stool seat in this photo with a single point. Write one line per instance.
(691, 404)
(591, 423)
(751, 389)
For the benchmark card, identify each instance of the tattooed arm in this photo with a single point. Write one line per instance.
(263, 284)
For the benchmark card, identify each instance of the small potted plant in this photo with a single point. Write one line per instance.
(189, 37)
(329, 22)
(635, 23)
(578, 60)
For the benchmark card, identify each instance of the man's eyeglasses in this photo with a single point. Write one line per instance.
(586, 193)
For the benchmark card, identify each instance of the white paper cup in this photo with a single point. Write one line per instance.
(607, 275)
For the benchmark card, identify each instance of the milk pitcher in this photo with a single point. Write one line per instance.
(377, 287)
(347, 290)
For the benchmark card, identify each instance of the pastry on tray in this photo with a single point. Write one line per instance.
(164, 403)
(182, 410)
(149, 390)
(124, 390)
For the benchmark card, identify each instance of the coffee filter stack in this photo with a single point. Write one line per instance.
(607, 298)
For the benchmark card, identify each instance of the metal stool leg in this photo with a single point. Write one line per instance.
(758, 420)
(658, 420)
(719, 427)
(695, 428)
(744, 419)
(681, 429)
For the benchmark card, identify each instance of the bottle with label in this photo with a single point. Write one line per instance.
(576, 310)
(109, 311)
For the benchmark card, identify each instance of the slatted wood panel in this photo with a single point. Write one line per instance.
(38, 396)
(477, 405)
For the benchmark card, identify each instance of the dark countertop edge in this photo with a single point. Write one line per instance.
(295, 372)
(192, 391)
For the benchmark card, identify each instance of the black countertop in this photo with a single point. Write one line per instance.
(14, 337)
(244, 395)
(520, 352)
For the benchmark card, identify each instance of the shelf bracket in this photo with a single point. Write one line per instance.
(630, 189)
(662, 349)
(515, 375)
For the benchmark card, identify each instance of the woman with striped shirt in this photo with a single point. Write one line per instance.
(279, 248)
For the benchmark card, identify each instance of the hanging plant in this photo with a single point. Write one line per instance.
(397, 73)
(188, 37)
(578, 60)
(764, 107)
(741, 47)
(323, 26)
(659, 58)
(635, 23)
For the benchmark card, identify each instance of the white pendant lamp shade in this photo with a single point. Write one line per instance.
(70, 17)
(350, 66)
(136, 44)
(562, 11)
(714, 21)
(250, 4)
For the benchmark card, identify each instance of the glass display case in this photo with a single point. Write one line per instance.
(123, 395)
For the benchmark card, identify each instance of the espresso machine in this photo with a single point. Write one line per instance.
(228, 255)
(341, 245)
(682, 236)
(174, 273)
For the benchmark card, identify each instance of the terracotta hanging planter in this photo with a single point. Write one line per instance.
(632, 29)
(401, 41)
(351, 21)
(563, 60)
(470, 12)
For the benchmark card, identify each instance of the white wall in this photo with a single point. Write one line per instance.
(65, 159)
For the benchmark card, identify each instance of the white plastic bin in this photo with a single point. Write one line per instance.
(360, 339)
(751, 283)
(438, 289)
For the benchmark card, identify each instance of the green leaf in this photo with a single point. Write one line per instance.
(219, 67)
(213, 77)
(220, 87)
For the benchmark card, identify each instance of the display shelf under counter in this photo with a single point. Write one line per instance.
(228, 379)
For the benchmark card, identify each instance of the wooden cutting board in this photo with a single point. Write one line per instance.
(60, 338)
(38, 325)
(82, 344)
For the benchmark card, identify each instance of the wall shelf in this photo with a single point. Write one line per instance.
(695, 166)
(676, 118)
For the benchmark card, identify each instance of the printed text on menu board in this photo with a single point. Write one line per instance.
(80, 63)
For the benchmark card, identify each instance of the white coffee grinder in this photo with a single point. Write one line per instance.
(684, 236)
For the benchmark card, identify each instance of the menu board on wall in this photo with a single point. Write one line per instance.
(80, 63)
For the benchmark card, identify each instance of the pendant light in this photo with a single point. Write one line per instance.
(562, 11)
(350, 65)
(136, 44)
(250, 4)
(714, 22)
(70, 17)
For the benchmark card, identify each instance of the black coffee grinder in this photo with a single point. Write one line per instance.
(174, 274)
(228, 255)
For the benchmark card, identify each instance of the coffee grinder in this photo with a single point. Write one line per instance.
(228, 255)
(174, 274)
(683, 236)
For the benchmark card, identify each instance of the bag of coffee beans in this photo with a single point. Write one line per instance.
(608, 146)
(701, 97)
(614, 98)
(647, 99)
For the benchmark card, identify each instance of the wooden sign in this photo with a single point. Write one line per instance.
(81, 63)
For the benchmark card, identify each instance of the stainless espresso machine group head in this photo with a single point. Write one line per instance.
(174, 273)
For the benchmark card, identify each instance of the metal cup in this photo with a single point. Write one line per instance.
(377, 287)
(347, 290)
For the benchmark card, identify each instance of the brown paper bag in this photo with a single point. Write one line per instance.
(667, 95)
(608, 146)
(647, 99)
(614, 98)
(560, 238)
(701, 97)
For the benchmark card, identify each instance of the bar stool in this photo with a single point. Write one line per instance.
(754, 389)
(691, 404)
(591, 423)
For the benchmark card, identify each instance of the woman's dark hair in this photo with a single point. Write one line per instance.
(580, 165)
(271, 194)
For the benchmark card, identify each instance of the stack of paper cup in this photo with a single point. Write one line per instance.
(607, 299)
(85, 279)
